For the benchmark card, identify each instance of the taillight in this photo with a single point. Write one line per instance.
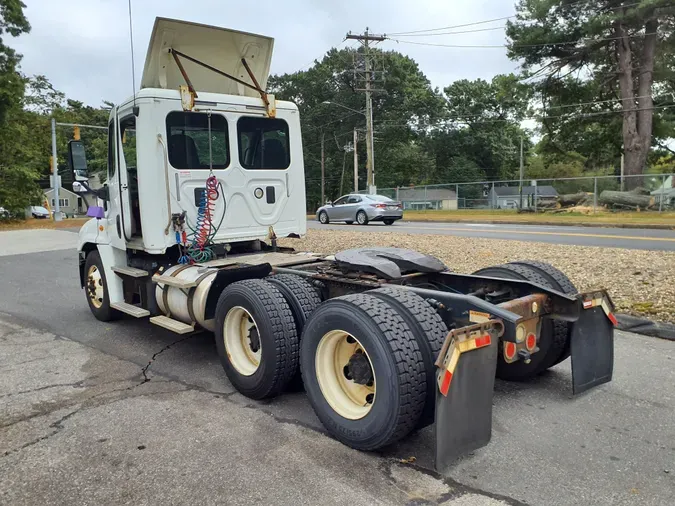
(379, 206)
(531, 342)
(509, 350)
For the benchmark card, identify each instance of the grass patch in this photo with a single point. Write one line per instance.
(512, 216)
(32, 223)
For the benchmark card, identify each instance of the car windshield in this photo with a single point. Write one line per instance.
(40, 209)
(378, 198)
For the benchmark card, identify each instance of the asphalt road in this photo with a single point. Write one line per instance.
(631, 238)
(612, 445)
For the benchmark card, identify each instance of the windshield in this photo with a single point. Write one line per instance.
(40, 209)
(378, 198)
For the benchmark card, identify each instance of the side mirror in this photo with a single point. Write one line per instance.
(77, 158)
(329, 202)
(103, 193)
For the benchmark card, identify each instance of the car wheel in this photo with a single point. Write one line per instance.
(362, 218)
(389, 222)
(349, 222)
(323, 218)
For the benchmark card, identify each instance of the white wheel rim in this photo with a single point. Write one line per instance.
(237, 332)
(95, 289)
(322, 218)
(349, 399)
(362, 218)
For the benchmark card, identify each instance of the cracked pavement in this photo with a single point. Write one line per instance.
(82, 427)
(81, 424)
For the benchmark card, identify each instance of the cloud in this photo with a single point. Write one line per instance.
(83, 48)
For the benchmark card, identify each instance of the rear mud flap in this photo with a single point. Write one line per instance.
(464, 415)
(592, 349)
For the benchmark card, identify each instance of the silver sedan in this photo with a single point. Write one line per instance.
(361, 209)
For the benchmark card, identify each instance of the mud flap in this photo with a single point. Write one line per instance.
(592, 349)
(464, 415)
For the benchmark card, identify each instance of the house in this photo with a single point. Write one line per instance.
(70, 203)
(665, 192)
(427, 198)
(508, 197)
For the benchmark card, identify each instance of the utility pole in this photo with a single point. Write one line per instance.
(323, 171)
(522, 174)
(55, 175)
(356, 162)
(365, 39)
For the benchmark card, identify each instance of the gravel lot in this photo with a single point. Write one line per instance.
(640, 282)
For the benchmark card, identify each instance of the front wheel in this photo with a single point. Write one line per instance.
(323, 218)
(96, 288)
(389, 222)
(362, 218)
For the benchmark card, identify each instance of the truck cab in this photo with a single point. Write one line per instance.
(189, 122)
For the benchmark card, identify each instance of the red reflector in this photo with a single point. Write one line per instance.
(510, 350)
(588, 304)
(483, 341)
(445, 386)
(531, 341)
(613, 319)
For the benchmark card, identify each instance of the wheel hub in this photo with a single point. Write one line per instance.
(254, 339)
(345, 374)
(358, 369)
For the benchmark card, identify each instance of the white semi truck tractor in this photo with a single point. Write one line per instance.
(205, 172)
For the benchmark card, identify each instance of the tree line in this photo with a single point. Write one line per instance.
(595, 82)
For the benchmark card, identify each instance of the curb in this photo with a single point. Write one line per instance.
(646, 327)
(554, 223)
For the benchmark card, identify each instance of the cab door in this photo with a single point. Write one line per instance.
(119, 210)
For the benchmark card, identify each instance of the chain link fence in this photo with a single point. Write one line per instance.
(653, 192)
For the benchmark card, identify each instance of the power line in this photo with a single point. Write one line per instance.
(463, 120)
(334, 121)
(455, 26)
(408, 33)
(451, 33)
(550, 44)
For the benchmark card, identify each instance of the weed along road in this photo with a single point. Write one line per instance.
(79, 422)
(631, 238)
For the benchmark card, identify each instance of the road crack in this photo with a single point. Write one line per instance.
(145, 369)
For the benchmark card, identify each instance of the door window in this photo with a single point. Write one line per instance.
(128, 151)
(340, 201)
(111, 150)
(353, 200)
(263, 143)
(188, 134)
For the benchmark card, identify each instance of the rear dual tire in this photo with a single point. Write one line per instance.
(363, 371)
(256, 338)
(554, 340)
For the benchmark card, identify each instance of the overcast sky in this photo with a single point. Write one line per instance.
(82, 46)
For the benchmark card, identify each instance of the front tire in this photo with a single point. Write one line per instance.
(362, 218)
(256, 338)
(363, 371)
(96, 289)
(323, 218)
